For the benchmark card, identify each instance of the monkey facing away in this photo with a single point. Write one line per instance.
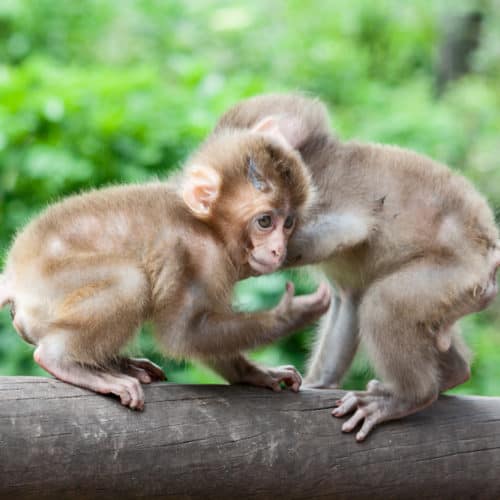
(411, 248)
(85, 274)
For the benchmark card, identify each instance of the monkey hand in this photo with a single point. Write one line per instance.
(275, 378)
(298, 312)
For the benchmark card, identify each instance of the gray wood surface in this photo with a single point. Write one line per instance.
(59, 441)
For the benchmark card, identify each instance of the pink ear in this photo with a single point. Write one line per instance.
(200, 189)
(270, 126)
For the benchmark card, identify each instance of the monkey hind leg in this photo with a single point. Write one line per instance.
(92, 308)
(316, 378)
(337, 343)
(99, 302)
(50, 355)
(454, 364)
(393, 318)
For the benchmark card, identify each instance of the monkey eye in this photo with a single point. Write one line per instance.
(265, 221)
(289, 222)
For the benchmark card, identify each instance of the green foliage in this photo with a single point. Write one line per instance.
(97, 92)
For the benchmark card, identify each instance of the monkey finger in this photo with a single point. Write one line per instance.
(294, 383)
(292, 379)
(325, 301)
(287, 375)
(318, 301)
(286, 301)
(275, 386)
(289, 293)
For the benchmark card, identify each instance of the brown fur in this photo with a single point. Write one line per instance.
(411, 247)
(88, 271)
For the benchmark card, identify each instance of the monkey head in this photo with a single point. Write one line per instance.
(253, 189)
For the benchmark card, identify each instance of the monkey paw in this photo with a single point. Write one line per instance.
(373, 406)
(302, 310)
(287, 375)
(273, 378)
(142, 369)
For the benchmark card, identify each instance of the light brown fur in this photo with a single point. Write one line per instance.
(84, 275)
(411, 247)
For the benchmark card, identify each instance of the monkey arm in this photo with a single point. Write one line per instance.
(231, 331)
(327, 234)
(239, 370)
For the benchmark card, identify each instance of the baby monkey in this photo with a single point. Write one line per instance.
(84, 275)
(411, 247)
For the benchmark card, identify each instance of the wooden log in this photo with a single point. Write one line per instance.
(59, 441)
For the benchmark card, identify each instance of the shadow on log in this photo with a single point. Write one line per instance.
(59, 441)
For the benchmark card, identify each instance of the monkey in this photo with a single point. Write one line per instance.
(410, 247)
(86, 273)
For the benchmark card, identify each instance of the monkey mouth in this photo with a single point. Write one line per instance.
(261, 266)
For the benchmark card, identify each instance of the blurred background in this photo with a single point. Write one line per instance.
(99, 91)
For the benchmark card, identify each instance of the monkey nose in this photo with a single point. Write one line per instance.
(278, 253)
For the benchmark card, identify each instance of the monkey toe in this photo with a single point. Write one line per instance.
(368, 424)
(137, 396)
(142, 365)
(346, 405)
(140, 374)
(371, 407)
(350, 424)
(376, 387)
(127, 388)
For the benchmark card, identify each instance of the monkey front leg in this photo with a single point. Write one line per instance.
(216, 333)
(327, 234)
(239, 370)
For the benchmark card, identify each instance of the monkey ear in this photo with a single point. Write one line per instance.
(271, 126)
(200, 189)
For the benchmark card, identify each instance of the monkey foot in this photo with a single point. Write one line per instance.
(142, 369)
(273, 378)
(127, 388)
(371, 407)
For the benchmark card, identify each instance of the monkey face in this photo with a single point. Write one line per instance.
(269, 233)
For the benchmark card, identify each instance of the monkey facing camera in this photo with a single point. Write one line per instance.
(411, 248)
(83, 276)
